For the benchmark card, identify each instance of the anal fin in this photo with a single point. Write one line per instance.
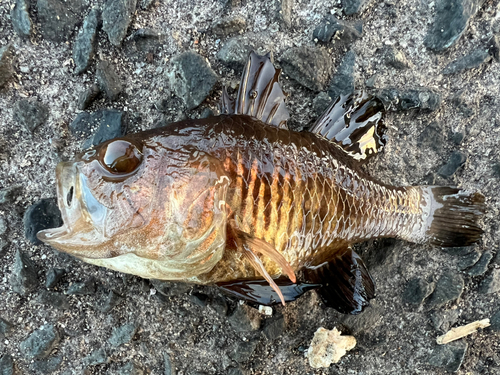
(355, 123)
(346, 284)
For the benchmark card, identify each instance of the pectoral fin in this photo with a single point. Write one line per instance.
(346, 284)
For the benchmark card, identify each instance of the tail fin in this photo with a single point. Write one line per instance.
(453, 216)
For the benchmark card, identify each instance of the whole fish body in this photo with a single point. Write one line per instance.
(238, 200)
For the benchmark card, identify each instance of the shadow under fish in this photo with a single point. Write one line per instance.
(240, 201)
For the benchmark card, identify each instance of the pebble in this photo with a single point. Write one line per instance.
(473, 60)
(41, 342)
(108, 80)
(327, 347)
(83, 288)
(143, 45)
(321, 102)
(191, 78)
(86, 97)
(109, 124)
(245, 319)
(351, 7)
(234, 53)
(116, 18)
(457, 138)
(130, 368)
(494, 47)
(285, 12)
(122, 335)
(168, 368)
(7, 365)
(274, 328)
(30, 113)
(46, 366)
(451, 20)
(9, 194)
(199, 299)
(5, 328)
(331, 29)
(449, 356)
(41, 215)
(170, 289)
(6, 70)
(20, 18)
(495, 321)
(448, 289)
(52, 276)
(219, 304)
(432, 138)
(417, 290)
(491, 284)
(58, 19)
(457, 159)
(107, 301)
(24, 278)
(444, 320)
(343, 80)
(397, 100)
(97, 357)
(481, 266)
(229, 25)
(468, 260)
(244, 350)
(368, 320)
(85, 42)
(395, 58)
(459, 251)
(54, 299)
(309, 66)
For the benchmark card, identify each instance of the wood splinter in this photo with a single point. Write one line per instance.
(459, 332)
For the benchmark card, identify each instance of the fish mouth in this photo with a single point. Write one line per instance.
(74, 200)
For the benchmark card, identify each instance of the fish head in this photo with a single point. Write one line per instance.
(147, 206)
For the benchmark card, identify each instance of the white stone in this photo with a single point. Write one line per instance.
(328, 347)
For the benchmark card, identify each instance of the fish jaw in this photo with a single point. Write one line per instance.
(73, 201)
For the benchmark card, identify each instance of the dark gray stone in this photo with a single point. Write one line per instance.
(97, 357)
(6, 365)
(457, 138)
(191, 78)
(432, 137)
(85, 42)
(107, 301)
(343, 81)
(47, 366)
(219, 304)
(481, 266)
(20, 17)
(30, 113)
(83, 288)
(24, 278)
(116, 17)
(81, 126)
(451, 20)
(86, 97)
(199, 299)
(235, 52)
(168, 367)
(372, 81)
(311, 67)
(490, 284)
(395, 58)
(353, 6)
(457, 159)
(244, 350)
(58, 19)
(41, 342)
(468, 260)
(9, 194)
(448, 289)
(170, 289)
(331, 28)
(234, 371)
(321, 103)
(130, 368)
(444, 320)
(146, 4)
(5, 328)
(365, 322)
(54, 299)
(230, 25)
(459, 251)
(143, 45)
(422, 99)
(494, 47)
(449, 356)
(109, 123)
(6, 58)
(495, 321)
(473, 60)
(245, 319)
(41, 215)
(274, 328)
(207, 112)
(108, 80)
(122, 335)
(416, 291)
(52, 276)
(3, 226)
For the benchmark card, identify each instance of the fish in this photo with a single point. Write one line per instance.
(240, 201)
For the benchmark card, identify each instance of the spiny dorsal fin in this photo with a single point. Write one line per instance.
(260, 94)
(355, 123)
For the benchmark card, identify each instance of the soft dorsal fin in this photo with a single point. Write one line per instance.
(355, 123)
(260, 94)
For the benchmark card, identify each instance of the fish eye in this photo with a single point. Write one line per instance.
(120, 157)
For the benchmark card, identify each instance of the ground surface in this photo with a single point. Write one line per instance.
(183, 325)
